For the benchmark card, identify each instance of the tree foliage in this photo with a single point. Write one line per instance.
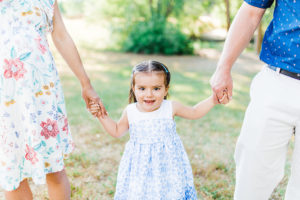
(156, 26)
(144, 26)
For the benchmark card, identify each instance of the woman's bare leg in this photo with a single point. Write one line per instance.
(58, 186)
(23, 192)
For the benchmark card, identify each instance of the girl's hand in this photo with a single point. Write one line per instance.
(94, 108)
(224, 100)
(90, 96)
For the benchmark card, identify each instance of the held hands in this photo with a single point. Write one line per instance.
(221, 84)
(90, 97)
(95, 109)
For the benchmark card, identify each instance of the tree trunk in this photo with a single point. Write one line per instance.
(151, 7)
(227, 13)
(170, 7)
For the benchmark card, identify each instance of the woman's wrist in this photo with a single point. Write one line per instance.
(86, 83)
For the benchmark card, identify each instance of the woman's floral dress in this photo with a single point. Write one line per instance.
(34, 131)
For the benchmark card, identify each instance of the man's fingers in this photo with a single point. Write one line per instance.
(220, 96)
(223, 96)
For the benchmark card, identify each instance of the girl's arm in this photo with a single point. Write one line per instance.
(66, 47)
(115, 129)
(194, 112)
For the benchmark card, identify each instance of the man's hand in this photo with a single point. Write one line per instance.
(221, 84)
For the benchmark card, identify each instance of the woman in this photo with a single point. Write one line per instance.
(34, 131)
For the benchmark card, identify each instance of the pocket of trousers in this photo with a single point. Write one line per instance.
(254, 82)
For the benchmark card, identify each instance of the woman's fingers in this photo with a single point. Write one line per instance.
(93, 108)
(102, 108)
(97, 105)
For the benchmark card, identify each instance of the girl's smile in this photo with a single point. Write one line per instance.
(149, 101)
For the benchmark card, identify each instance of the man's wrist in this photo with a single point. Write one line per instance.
(224, 69)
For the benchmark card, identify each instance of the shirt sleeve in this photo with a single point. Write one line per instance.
(48, 7)
(260, 3)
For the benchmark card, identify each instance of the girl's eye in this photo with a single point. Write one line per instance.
(141, 88)
(156, 89)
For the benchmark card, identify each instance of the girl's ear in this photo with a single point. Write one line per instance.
(166, 92)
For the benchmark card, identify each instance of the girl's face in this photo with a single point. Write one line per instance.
(149, 90)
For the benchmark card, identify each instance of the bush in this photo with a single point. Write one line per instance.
(157, 36)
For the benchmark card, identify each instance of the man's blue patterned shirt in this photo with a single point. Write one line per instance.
(281, 43)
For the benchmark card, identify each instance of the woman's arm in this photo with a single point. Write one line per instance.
(194, 112)
(66, 47)
(115, 129)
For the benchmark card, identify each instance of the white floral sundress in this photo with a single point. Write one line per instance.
(34, 130)
(154, 165)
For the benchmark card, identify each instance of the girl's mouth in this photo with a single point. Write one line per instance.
(149, 101)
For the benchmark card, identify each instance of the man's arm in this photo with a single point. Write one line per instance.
(239, 35)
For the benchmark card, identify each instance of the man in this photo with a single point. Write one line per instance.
(273, 114)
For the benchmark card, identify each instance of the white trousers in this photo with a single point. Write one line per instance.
(270, 120)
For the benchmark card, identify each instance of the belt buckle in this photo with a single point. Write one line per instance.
(278, 70)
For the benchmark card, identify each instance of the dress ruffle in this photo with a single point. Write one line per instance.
(48, 6)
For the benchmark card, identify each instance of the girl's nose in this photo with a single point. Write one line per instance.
(149, 93)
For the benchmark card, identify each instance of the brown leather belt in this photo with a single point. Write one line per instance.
(285, 72)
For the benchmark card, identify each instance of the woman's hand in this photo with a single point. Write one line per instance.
(90, 96)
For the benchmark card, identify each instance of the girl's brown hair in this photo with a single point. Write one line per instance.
(148, 66)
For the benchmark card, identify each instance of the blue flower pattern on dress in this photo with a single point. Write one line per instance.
(154, 165)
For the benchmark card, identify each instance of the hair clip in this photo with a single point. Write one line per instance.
(165, 68)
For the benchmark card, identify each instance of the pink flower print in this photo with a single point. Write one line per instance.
(66, 128)
(31, 155)
(41, 47)
(50, 128)
(14, 68)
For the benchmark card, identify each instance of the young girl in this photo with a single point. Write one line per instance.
(154, 164)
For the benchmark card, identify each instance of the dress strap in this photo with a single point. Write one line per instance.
(131, 112)
(167, 109)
